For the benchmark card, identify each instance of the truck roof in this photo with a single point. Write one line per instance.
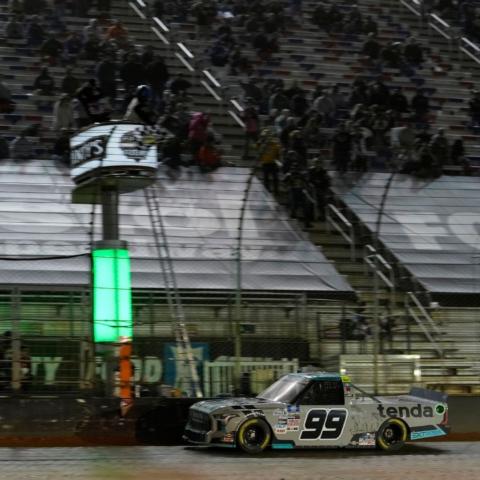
(320, 376)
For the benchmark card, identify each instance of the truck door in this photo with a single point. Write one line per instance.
(323, 416)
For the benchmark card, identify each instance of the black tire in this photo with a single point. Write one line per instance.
(254, 435)
(392, 435)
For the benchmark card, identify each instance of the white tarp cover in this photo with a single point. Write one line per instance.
(201, 214)
(431, 226)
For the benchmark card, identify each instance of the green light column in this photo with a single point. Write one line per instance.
(112, 295)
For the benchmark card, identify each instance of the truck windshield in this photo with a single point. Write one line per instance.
(286, 389)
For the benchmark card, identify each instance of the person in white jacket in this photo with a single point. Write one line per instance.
(63, 114)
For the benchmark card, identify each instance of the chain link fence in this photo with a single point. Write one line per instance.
(46, 346)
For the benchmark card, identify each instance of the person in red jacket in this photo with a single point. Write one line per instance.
(209, 156)
(197, 133)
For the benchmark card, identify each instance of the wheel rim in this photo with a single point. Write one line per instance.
(393, 434)
(254, 436)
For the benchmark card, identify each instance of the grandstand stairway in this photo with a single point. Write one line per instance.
(457, 371)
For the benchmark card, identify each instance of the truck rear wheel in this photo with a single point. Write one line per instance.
(392, 435)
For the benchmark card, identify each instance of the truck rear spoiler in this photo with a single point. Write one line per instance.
(428, 394)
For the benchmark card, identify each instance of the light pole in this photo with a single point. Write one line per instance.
(238, 289)
(376, 303)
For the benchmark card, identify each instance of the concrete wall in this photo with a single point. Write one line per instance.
(90, 421)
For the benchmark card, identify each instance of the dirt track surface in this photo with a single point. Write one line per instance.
(419, 461)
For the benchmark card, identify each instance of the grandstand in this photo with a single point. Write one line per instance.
(294, 294)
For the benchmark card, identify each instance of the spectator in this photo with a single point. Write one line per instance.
(391, 55)
(387, 325)
(474, 108)
(325, 106)
(239, 63)
(140, 108)
(89, 96)
(290, 126)
(44, 84)
(15, 7)
(158, 8)
(106, 74)
(172, 152)
(61, 147)
(92, 30)
(320, 182)
(73, 46)
(420, 105)
(252, 91)
(7, 104)
(209, 156)
(91, 48)
(80, 8)
(21, 148)
(278, 100)
(63, 113)
(70, 83)
(398, 102)
(268, 158)
(132, 73)
(457, 152)
(147, 56)
(413, 52)
(370, 26)
(179, 85)
(157, 75)
(33, 7)
(299, 105)
(103, 6)
(252, 128)
(118, 33)
(296, 142)
(35, 32)
(402, 141)
(297, 184)
(439, 147)
(14, 29)
(197, 133)
(218, 54)
(342, 148)
(52, 49)
(378, 94)
(312, 132)
(361, 328)
(59, 6)
(4, 151)
(371, 47)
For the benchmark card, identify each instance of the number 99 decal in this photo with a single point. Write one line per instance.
(324, 424)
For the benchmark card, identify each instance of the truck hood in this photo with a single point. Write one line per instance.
(237, 403)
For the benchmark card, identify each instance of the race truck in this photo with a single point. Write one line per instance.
(316, 410)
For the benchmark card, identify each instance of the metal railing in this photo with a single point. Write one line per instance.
(377, 264)
(335, 219)
(418, 312)
(451, 33)
(188, 59)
